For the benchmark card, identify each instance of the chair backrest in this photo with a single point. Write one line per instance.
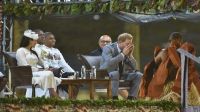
(90, 61)
(20, 75)
(10, 58)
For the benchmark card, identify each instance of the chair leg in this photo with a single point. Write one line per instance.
(57, 91)
(33, 91)
(13, 95)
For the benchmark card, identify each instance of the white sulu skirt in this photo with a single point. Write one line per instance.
(45, 80)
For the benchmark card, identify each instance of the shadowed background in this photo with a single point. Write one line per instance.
(79, 34)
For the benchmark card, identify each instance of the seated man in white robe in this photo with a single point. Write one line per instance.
(53, 59)
(40, 41)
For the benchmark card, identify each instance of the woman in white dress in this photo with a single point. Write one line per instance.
(26, 56)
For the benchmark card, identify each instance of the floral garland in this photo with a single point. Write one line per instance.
(166, 105)
(98, 6)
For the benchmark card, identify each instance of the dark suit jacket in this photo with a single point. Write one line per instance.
(96, 52)
(111, 57)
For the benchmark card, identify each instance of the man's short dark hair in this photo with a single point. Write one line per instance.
(37, 30)
(46, 34)
(122, 37)
(175, 36)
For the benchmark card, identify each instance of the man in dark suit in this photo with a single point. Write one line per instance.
(103, 40)
(118, 60)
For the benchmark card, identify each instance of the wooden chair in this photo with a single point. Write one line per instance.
(21, 76)
(89, 61)
(3, 82)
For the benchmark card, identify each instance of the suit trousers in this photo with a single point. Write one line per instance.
(133, 77)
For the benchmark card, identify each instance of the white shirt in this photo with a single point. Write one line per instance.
(119, 50)
(52, 57)
(38, 48)
(1, 75)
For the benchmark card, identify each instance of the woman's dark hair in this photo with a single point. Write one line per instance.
(32, 51)
(25, 42)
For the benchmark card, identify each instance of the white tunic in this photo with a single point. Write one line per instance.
(45, 79)
(52, 57)
(38, 49)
